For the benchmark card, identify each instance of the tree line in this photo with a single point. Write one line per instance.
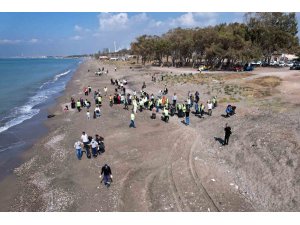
(257, 38)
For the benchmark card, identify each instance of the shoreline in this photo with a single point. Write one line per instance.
(8, 179)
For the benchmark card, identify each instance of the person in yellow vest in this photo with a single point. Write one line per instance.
(111, 100)
(78, 105)
(165, 116)
(157, 105)
(99, 100)
(202, 107)
(183, 108)
(160, 103)
(214, 101)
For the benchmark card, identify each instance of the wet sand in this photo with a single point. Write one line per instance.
(167, 167)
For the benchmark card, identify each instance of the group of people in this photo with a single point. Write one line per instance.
(92, 146)
(95, 146)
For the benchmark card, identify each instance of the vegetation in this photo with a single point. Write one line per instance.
(258, 37)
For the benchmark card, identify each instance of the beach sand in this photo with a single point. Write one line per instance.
(169, 167)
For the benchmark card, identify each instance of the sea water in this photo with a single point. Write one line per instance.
(27, 88)
(25, 84)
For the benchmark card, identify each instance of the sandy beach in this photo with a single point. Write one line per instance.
(169, 166)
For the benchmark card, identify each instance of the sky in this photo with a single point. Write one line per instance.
(40, 34)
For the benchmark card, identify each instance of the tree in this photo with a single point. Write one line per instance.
(273, 32)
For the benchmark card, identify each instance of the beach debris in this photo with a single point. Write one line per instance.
(236, 187)
(231, 184)
(51, 115)
(213, 180)
(98, 187)
(208, 209)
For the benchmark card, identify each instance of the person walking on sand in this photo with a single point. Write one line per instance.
(209, 107)
(174, 98)
(132, 117)
(94, 145)
(105, 90)
(88, 115)
(227, 130)
(78, 105)
(85, 140)
(78, 149)
(187, 117)
(107, 175)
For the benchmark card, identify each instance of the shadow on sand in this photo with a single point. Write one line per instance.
(220, 140)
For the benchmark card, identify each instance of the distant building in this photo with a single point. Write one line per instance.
(277, 57)
(103, 57)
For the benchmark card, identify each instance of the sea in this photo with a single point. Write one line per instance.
(27, 88)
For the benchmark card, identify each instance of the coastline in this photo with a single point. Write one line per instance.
(43, 126)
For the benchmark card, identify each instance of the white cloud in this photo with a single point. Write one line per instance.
(76, 38)
(78, 28)
(9, 42)
(110, 21)
(194, 19)
(33, 40)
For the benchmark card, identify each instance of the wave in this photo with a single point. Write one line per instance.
(60, 75)
(56, 77)
(19, 114)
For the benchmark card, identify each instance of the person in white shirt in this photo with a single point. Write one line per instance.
(85, 140)
(105, 90)
(97, 111)
(94, 145)
(78, 149)
(134, 93)
(209, 107)
(174, 98)
(88, 115)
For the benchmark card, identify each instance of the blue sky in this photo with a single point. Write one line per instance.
(37, 34)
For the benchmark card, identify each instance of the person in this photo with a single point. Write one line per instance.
(134, 93)
(66, 109)
(73, 104)
(107, 175)
(85, 140)
(88, 115)
(196, 108)
(94, 146)
(202, 107)
(214, 101)
(174, 98)
(105, 90)
(77, 146)
(165, 116)
(78, 104)
(86, 91)
(187, 117)
(125, 102)
(227, 130)
(153, 116)
(209, 107)
(111, 100)
(101, 146)
(115, 69)
(132, 117)
(90, 89)
(97, 111)
(134, 103)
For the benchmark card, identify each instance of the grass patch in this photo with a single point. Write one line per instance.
(268, 81)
